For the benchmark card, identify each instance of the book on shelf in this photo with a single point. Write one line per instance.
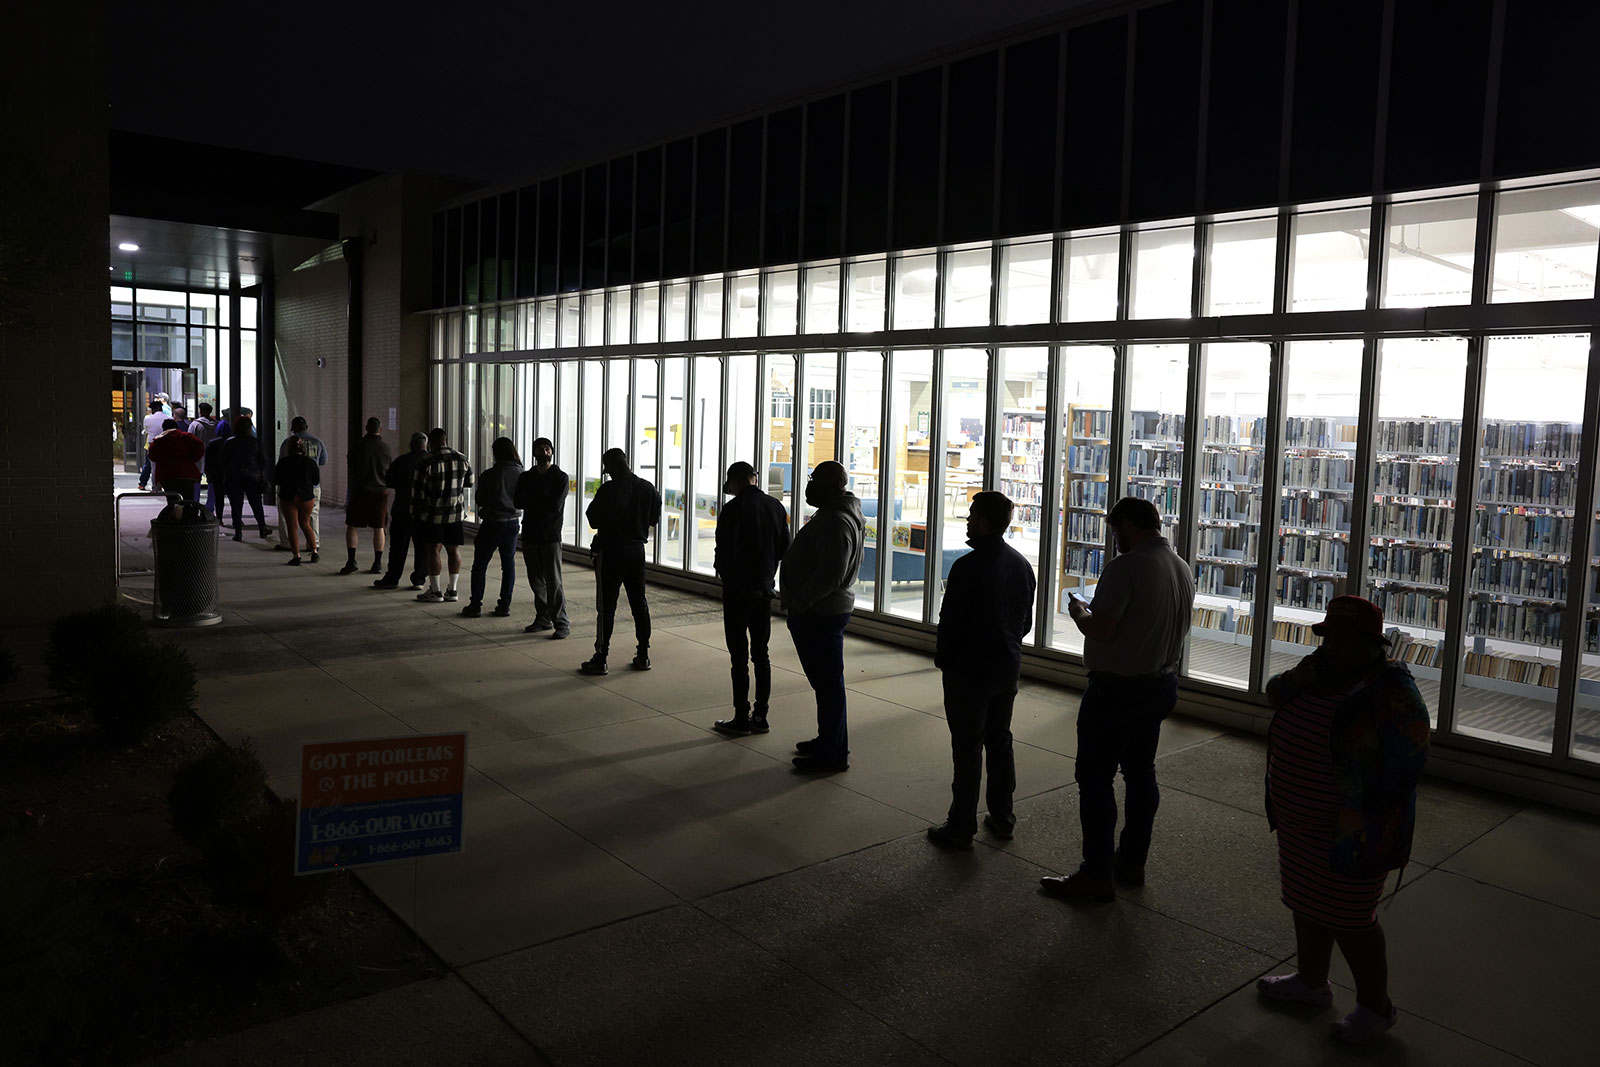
(1501, 572)
(1090, 422)
(1515, 528)
(1421, 522)
(1154, 462)
(1319, 472)
(1164, 497)
(1432, 437)
(1313, 594)
(1521, 669)
(1088, 459)
(1404, 646)
(1230, 505)
(1408, 563)
(1155, 426)
(1225, 579)
(1241, 467)
(1313, 432)
(1229, 542)
(1330, 513)
(1528, 624)
(1410, 477)
(1532, 440)
(1081, 561)
(1313, 553)
(1083, 493)
(1086, 526)
(1023, 424)
(1528, 485)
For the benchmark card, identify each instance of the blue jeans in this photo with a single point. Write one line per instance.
(819, 642)
(1119, 724)
(498, 535)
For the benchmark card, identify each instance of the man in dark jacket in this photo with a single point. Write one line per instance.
(216, 471)
(818, 590)
(752, 536)
(245, 469)
(402, 474)
(987, 611)
(621, 514)
(369, 497)
(542, 495)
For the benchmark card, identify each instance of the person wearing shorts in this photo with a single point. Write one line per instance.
(438, 504)
(369, 499)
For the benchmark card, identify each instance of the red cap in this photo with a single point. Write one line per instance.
(1353, 613)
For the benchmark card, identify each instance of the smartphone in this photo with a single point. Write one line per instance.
(1079, 597)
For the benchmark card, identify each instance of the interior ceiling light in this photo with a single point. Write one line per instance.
(1589, 213)
(128, 246)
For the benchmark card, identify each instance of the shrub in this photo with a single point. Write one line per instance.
(89, 646)
(226, 787)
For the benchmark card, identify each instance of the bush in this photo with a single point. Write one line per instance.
(156, 685)
(87, 648)
(227, 787)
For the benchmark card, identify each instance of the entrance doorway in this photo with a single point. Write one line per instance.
(132, 389)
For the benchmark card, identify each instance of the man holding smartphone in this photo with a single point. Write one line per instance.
(1133, 630)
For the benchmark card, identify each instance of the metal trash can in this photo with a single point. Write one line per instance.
(184, 538)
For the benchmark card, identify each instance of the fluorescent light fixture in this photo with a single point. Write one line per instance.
(128, 246)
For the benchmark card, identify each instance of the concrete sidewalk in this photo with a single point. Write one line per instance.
(636, 888)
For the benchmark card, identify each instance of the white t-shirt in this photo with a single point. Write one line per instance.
(152, 423)
(1150, 592)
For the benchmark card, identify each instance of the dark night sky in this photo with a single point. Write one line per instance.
(504, 91)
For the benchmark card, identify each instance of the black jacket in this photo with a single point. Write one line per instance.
(987, 611)
(244, 460)
(623, 510)
(401, 474)
(752, 536)
(297, 477)
(542, 496)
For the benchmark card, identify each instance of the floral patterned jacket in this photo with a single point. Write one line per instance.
(1378, 744)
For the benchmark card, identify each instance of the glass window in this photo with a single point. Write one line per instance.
(1522, 519)
(1328, 260)
(867, 280)
(567, 445)
(548, 321)
(593, 408)
(247, 313)
(966, 287)
(819, 430)
(705, 447)
(916, 277)
(1158, 388)
(569, 320)
(646, 418)
(1087, 388)
(247, 370)
(1544, 243)
(1416, 451)
(1243, 264)
(1025, 283)
(673, 372)
(783, 303)
(744, 402)
(1163, 273)
(964, 419)
(1089, 280)
(821, 282)
(1321, 404)
(122, 304)
(647, 314)
(744, 305)
(545, 400)
(619, 302)
(1227, 520)
(529, 311)
(1428, 258)
(202, 306)
(617, 397)
(675, 298)
(470, 342)
(777, 429)
(1024, 396)
(508, 328)
(708, 308)
(863, 436)
(911, 431)
(594, 320)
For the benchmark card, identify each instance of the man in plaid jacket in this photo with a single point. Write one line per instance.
(438, 502)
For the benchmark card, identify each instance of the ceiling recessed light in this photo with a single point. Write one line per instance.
(128, 246)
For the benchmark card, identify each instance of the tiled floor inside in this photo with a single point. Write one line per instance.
(636, 889)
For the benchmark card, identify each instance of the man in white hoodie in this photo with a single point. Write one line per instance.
(817, 589)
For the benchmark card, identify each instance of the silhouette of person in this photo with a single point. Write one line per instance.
(621, 514)
(438, 503)
(752, 536)
(399, 480)
(542, 495)
(986, 612)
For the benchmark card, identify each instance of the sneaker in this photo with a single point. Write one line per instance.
(375, 569)
(538, 626)
(262, 530)
(1079, 886)
(738, 726)
(501, 612)
(238, 537)
(472, 611)
(1364, 1026)
(432, 596)
(280, 547)
(349, 568)
(820, 764)
(386, 583)
(1005, 831)
(593, 666)
(641, 662)
(451, 596)
(943, 836)
(315, 557)
(561, 635)
(419, 585)
(758, 723)
(1126, 873)
(805, 748)
(1291, 989)
(295, 562)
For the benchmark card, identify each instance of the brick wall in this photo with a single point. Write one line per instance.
(55, 319)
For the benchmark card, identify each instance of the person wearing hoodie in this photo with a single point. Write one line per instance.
(817, 590)
(498, 516)
(245, 471)
(621, 514)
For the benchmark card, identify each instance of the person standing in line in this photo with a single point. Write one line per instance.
(542, 495)
(986, 612)
(752, 536)
(818, 591)
(1345, 749)
(1134, 631)
(245, 472)
(621, 514)
(176, 455)
(438, 503)
(498, 516)
(296, 477)
(152, 429)
(180, 415)
(369, 497)
(217, 468)
(317, 452)
(402, 531)
(204, 428)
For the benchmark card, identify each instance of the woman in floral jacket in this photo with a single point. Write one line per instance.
(1344, 753)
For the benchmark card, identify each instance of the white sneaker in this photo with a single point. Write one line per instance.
(451, 596)
(432, 596)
